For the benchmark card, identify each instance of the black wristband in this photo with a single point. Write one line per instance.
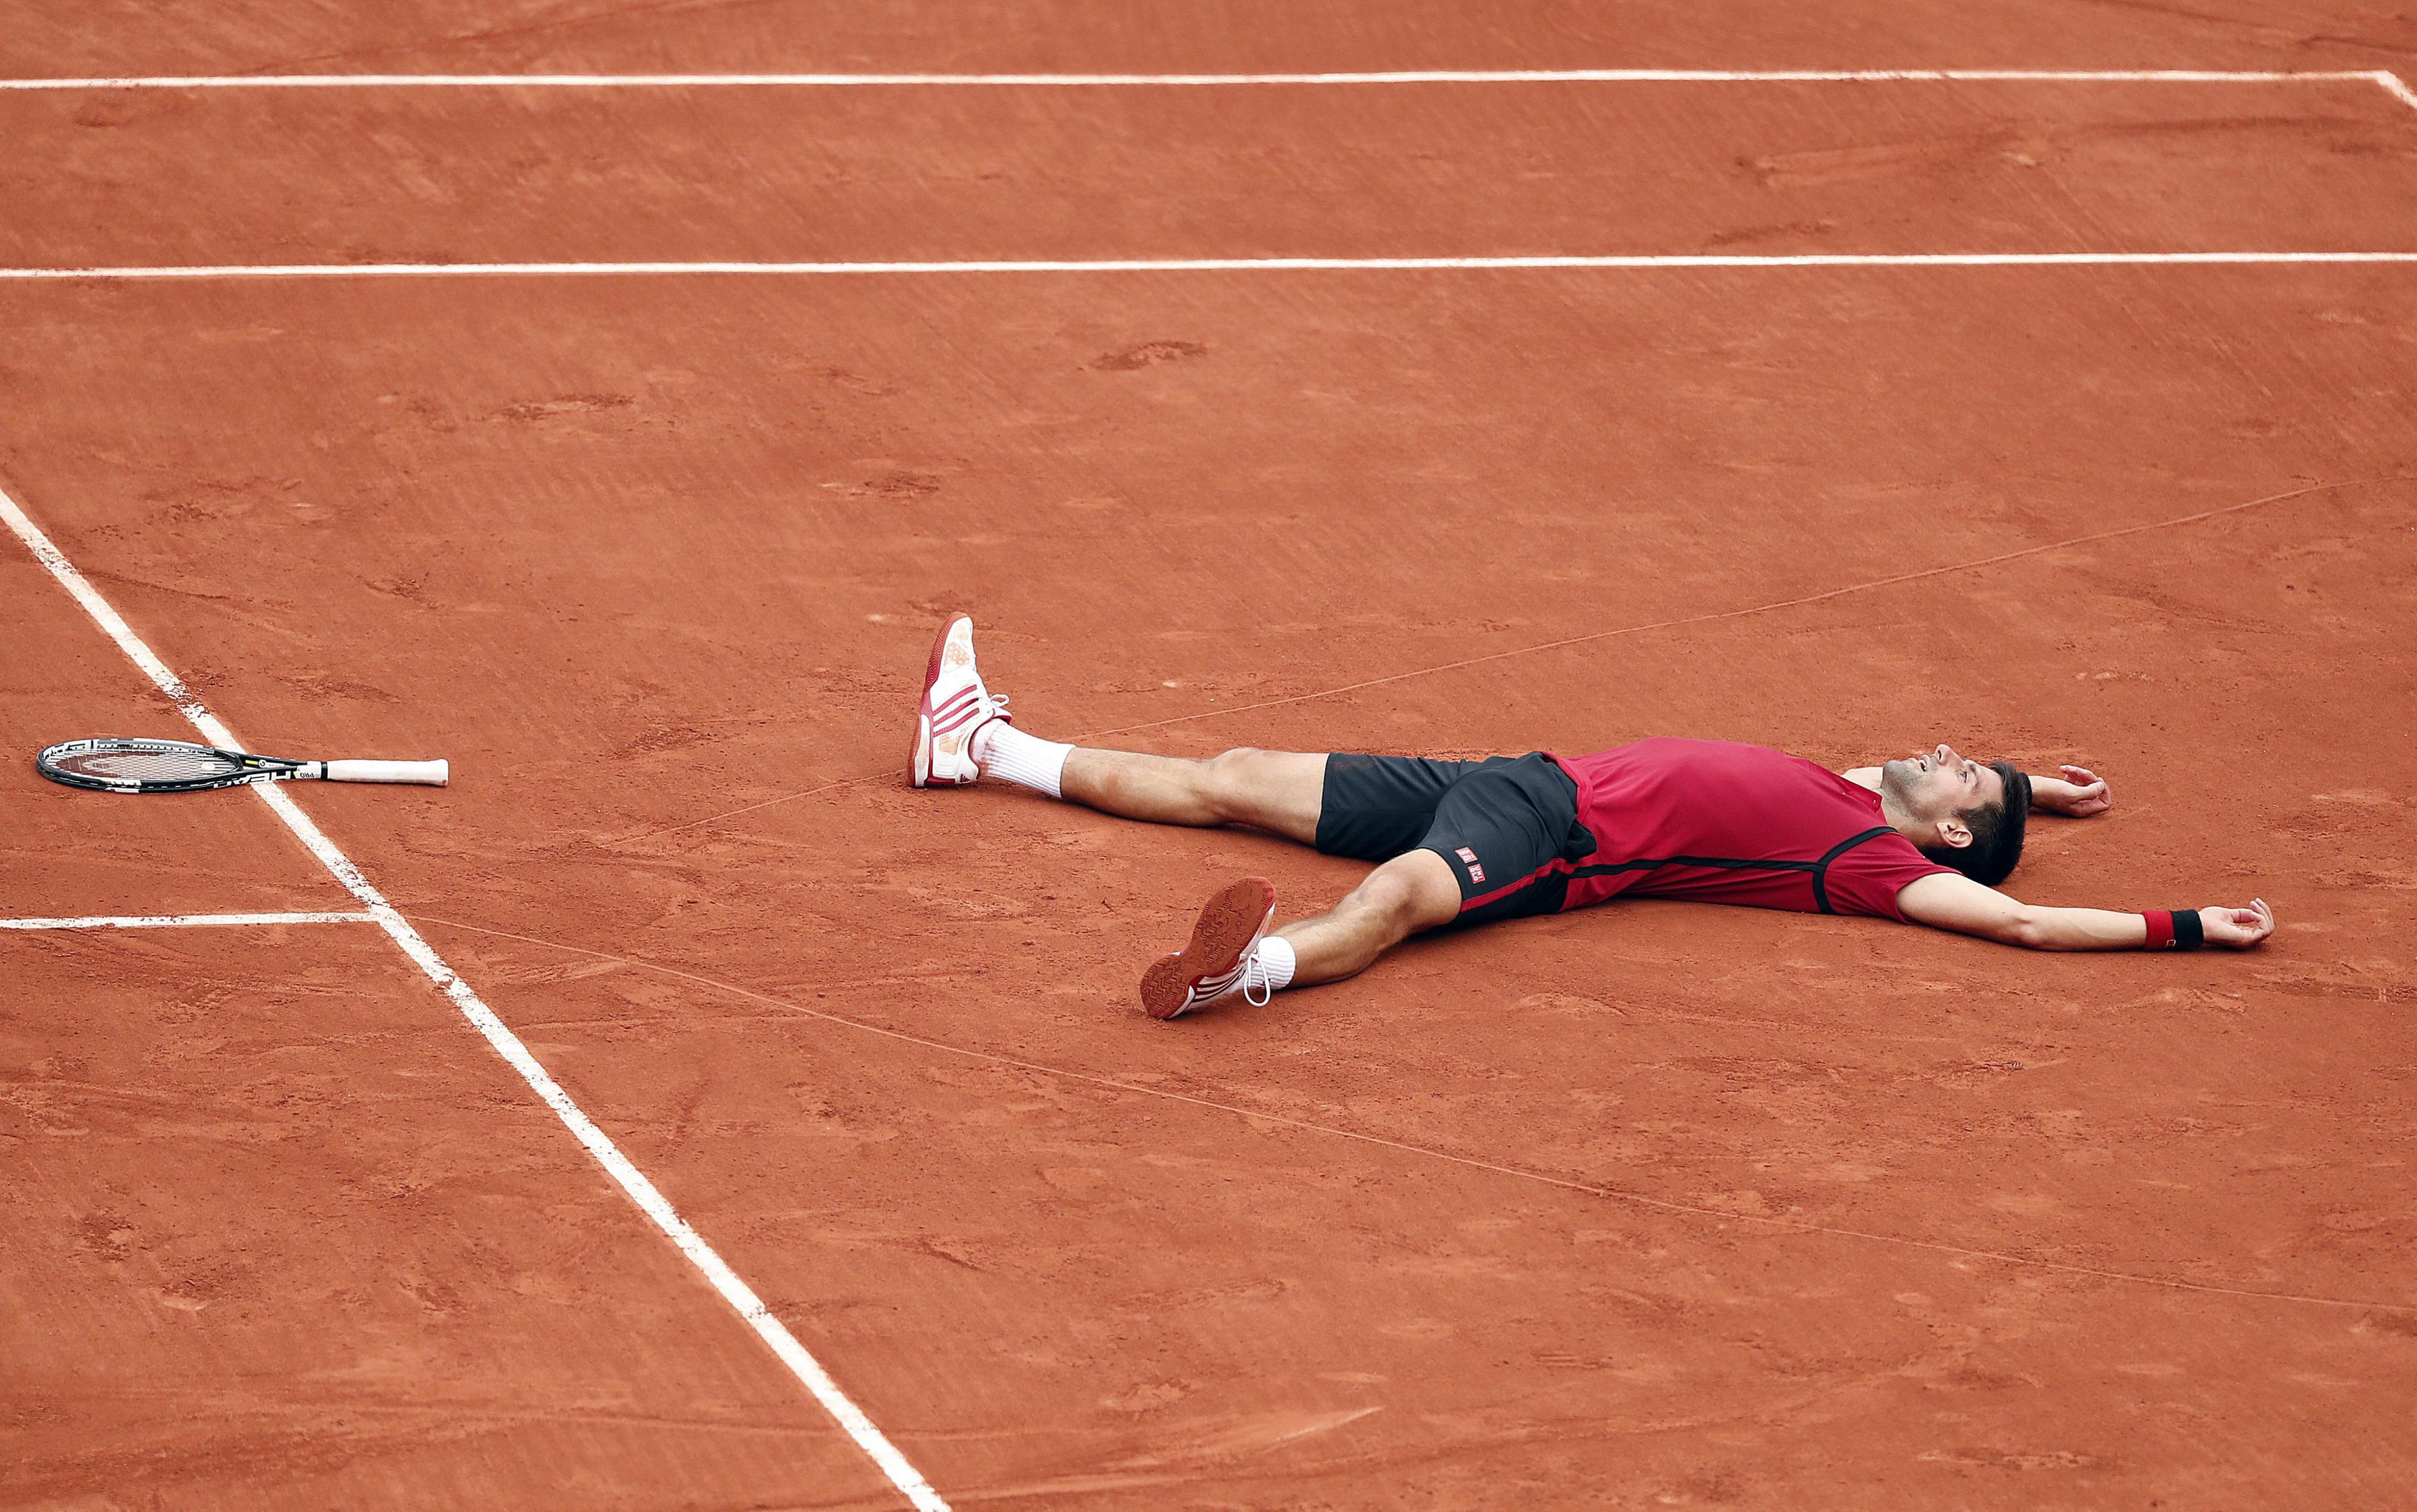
(2189, 933)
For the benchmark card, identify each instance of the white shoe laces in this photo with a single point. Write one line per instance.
(1253, 972)
(998, 711)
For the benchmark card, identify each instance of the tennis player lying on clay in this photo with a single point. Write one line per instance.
(1923, 838)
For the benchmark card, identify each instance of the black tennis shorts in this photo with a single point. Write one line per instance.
(1496, 822)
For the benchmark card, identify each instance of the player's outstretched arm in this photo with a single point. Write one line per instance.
(1946, 900)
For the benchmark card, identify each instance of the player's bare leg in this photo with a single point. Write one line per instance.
(1408, 893)
(964, 733)
(1230, 953)
(1277, 791)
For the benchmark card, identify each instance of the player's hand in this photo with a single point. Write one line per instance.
(2239, 928)
(2085, 794)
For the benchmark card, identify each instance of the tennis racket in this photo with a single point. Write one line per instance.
(116, 764)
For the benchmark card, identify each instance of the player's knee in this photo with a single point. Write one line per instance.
(1229, 781)
(1411, 892)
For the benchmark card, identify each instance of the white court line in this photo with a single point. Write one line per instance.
(1213, 265)
(2392, 81)
(506, 1044)
(1090, 81)
(182, 921)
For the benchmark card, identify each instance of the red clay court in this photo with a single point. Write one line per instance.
(679, 1111)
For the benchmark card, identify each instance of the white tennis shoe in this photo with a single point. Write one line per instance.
(955, 705)
(1221, 958)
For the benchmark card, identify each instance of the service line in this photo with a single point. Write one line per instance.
(1196, 80)
(182, 921)
(1209, 265)
(631, 1181)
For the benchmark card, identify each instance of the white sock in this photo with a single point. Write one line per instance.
(1275, 960)
(1000, 749)
(1267, 970)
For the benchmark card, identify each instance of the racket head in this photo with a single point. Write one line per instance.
(121, 764)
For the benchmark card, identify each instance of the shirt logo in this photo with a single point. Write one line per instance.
(1476, 872)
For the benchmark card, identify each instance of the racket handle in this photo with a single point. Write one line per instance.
(433, 774)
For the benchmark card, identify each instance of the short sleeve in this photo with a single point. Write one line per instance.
(1867, 879)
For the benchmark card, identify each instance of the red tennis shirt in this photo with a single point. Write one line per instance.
(1716, 821)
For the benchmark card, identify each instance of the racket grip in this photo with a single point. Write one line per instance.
(431, 774)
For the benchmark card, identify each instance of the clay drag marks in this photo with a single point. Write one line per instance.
(1672, 1205)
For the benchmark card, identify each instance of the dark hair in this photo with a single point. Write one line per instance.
(1997, 832)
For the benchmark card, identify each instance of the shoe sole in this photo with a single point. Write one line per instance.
(1229, 925)
(919, 755)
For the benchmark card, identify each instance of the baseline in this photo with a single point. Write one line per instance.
(1215, 264)
(633, 1182)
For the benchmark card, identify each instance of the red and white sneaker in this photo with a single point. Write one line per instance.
(1218, 962)
(955, 705)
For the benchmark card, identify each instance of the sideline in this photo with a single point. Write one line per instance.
(1120, 80)
(180, 921)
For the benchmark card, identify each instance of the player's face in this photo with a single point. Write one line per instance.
(1940, 782)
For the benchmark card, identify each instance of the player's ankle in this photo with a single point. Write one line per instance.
(1265, 971)
(1274, 963)
(1003, 752)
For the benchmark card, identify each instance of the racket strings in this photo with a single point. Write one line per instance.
(149, 765)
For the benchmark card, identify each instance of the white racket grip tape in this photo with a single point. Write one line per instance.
(431, 774)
